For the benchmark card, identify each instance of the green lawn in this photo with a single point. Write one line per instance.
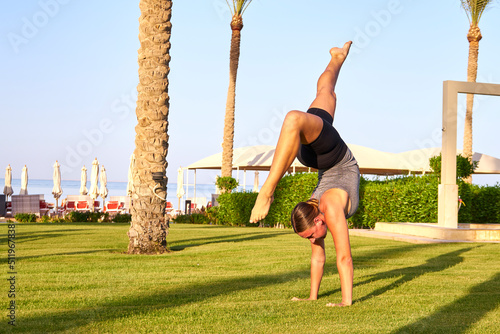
(76, 278)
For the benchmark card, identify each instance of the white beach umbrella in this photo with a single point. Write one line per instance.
(24, 181)
(103, 192)
(7, 189)
(180, 185)
(94, 179)
(83, 180)
(256, 183)
(130, 183)
(57, 190)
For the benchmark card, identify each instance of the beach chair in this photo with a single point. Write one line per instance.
(111, 207)
(82, 206)
(8, 208)
(121, 208)
(68, 207)
(169, 208)
(44, 208)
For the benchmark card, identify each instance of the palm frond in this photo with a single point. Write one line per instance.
(232, 9)
(240, 6)
(474, 9)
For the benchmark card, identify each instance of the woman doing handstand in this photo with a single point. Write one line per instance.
(312, 138)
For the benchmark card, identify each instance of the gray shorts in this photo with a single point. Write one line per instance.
(345, 176)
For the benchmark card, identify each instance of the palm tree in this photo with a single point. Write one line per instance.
(237, 10)
(474, 10)
(148, 230)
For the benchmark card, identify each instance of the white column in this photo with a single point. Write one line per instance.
(448, 189)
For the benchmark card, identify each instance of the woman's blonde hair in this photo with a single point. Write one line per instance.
(303, 215)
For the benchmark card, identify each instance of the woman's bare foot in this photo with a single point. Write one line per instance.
(261, 208)
(341, 53)
(299, 299)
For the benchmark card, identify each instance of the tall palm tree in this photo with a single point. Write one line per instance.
(237, 11)
(148, 231)
(474, 10)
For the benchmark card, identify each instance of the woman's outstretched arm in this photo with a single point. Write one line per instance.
(318, 259)
(335, 204)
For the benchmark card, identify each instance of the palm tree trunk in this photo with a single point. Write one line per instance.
(227, 143)
(149, 228)
(474, 36)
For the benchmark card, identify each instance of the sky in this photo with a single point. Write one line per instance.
(69, 77)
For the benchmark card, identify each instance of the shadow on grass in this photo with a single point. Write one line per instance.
(128, 306)
(104, 250)
(182, 244)
(33, 236)
(407, 274)
(469, 309)
(157, 300)
(433, 265)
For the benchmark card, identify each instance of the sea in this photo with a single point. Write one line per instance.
(72, 187)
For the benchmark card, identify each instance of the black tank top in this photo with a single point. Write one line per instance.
(328, 149)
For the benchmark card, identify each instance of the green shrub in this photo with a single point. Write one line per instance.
(465, 166)
(122, 218)
(291, 190)
(234, 208)
(484, 204)
(25, 217)
(87, 216)
(199, 218)
(402, 199)
(212, 214)
(182, 219)
(195, 218)
(226, 184)
(45, 219)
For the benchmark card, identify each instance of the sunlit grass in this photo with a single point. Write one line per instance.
(77, 278)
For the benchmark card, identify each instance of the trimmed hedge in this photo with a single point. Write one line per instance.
(401, 199)
(74, 217)
(195, 218)
(291, 190)
(25, 217)
(234, 208)
(86, 216)
(482, 205)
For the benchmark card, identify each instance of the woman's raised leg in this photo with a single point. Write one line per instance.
(325, 94)
(298, 127)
